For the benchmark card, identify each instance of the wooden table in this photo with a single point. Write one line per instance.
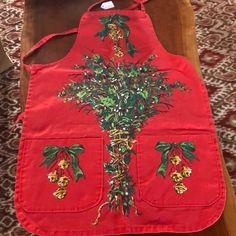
(174, 25)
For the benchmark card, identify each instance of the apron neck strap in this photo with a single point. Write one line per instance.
(43, 41)
(133, 6)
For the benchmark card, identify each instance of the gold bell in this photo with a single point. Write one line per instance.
(60, 193)
(180, 188)
(63, 181)
(112, 26)
(186, 172)
(118, 51)
(53, 176)
(176, 177)
(175, 160)
(63, 164)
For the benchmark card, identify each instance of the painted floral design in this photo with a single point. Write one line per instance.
(124, 96)
(59, 160)
(178, 156)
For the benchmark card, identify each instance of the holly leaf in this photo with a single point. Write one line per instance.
(102, 33)
(189, 155)
(50, 154)
(78, 173)
(163, 146)
(131, 101)
(131, 48)
(97, 58)
(140, 107)
(144, 94)
(76, 149)
(127, 158)
(189, 146)
(155, 99)
(161, 170)
(107, 101)
(121, 18)
(109, 168)
(125, 28)
(81, 94)
(105, 20)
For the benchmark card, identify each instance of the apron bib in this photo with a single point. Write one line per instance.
(117, 136)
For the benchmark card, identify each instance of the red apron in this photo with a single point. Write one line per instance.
(117, 136)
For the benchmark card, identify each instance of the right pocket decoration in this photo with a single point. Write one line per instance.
(175, 161)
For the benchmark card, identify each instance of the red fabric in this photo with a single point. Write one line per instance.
(48, 121)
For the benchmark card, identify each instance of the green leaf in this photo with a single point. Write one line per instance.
(76, 149)
(144, 94)
(131, 100)
(121, 18)
(161, 170)
(98, 71)
(189, 146)
(97, 58)
(78, 173)
(127, 158)
(102, 33)
(155, 99)
(189, 155)
(123, 149)
(133, 72)
(107, 101)
(141, 107)
(108, 117)
(109, 168)
(163, 146)
(131, 48)
(105, 20)
(81, 94)
(125, 28)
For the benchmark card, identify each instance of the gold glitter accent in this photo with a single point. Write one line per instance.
(175, 160)
(99, 213)
(186, 172)
(53, 176)
(60, 193)
(112, 26)
(63, 164)
(115, 35)
(118, 51)
(180, 188)
(63, 181)
(176, 177)
(114, 32)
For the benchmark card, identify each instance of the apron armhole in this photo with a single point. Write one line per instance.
(40, 43)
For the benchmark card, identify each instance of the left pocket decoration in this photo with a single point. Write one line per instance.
(63, 163)
(78, 158)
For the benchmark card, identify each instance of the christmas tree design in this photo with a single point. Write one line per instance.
(124, 96)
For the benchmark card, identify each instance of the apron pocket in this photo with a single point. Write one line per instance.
(179, 170)
(61, 174)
